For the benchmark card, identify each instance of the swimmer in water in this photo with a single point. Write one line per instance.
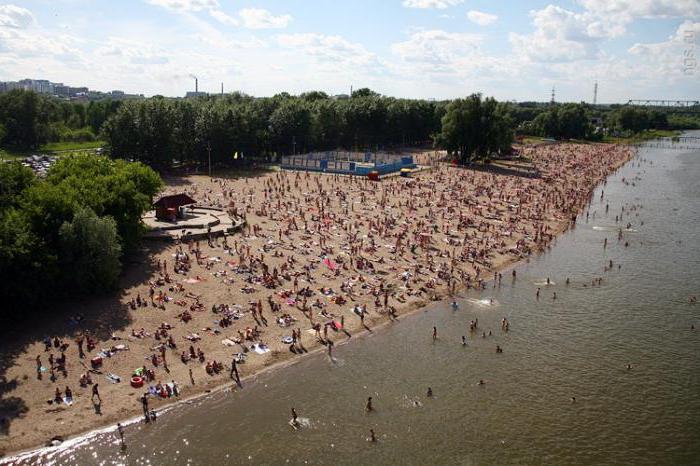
(464, 340)
(430, 392)
(573, 399)
(455, 305)
(434, 333)
(294, 421)
(372, 437)
(554, 296)
(547, 280)
(629, 366)
(567, 280)
(481, 382)
(538, 293)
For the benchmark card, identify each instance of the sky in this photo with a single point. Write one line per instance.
(512, 50)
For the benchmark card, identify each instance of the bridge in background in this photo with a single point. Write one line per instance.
(675, 106)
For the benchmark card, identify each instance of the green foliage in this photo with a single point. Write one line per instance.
(28, 120)
(474, 127)
(89, 246)
(568, 121)
(19, 114)
(14, 179)
(65, 234)
(684, 121)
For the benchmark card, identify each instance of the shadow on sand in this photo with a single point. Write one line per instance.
(101, 316)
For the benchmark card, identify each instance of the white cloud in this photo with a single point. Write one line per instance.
(186, 5)
(258, 18)
(440, 4)
(194, 6)
(12, 16)
(481, 18)
(223, 18)
(327, 49)
(437, 47)
(674, 57)
(134, 52)
(644, 8)
(562, 35)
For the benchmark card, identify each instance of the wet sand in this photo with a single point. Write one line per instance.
(406, 240)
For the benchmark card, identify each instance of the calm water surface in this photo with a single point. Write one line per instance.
(575, 346)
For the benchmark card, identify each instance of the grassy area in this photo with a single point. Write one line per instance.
(52, 148)
(643, 136)
(66, 146)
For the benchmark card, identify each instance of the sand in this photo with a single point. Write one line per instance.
(407, 240)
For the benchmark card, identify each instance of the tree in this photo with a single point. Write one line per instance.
(19, 114)
(474, 128)
(89, 247)
(14, 179)
(290, 126)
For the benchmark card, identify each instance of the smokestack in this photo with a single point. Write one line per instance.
(196, 85)
(222, 88)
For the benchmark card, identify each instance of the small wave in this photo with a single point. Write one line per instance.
(483, 302)
(544, 283)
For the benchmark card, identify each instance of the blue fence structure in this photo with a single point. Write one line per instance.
(348, 163)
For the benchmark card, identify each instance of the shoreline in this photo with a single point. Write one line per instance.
(282, 359)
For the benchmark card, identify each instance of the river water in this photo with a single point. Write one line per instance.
(578, 346)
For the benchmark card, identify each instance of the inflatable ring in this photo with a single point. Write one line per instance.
(137, 382)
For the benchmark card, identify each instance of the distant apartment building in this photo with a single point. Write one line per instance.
(82, 93)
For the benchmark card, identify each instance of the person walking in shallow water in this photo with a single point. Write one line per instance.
(294, 421)
(434, 333)
(369, 407)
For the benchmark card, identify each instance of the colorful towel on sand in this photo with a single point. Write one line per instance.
(331, 265)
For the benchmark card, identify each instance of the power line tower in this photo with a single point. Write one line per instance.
(595, 93)
(553, 95)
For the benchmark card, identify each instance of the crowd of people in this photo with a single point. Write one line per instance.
(318, 258)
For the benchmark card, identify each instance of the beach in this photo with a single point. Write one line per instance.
(319, 254)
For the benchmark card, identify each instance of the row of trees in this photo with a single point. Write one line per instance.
(65, 235)
(28, 120)
(160, 130)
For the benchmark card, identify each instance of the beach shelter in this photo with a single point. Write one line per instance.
(168, 207)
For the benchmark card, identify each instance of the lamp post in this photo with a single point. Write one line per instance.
(209, 152)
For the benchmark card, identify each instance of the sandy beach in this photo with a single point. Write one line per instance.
(321, 258)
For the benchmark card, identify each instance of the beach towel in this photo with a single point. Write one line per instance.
(68, 400)
(228, 342)
(114, 378)
(260, 349)
(331, 265)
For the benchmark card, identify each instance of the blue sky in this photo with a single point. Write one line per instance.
(405, 48)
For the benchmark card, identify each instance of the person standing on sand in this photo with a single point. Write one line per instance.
(96, 393)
